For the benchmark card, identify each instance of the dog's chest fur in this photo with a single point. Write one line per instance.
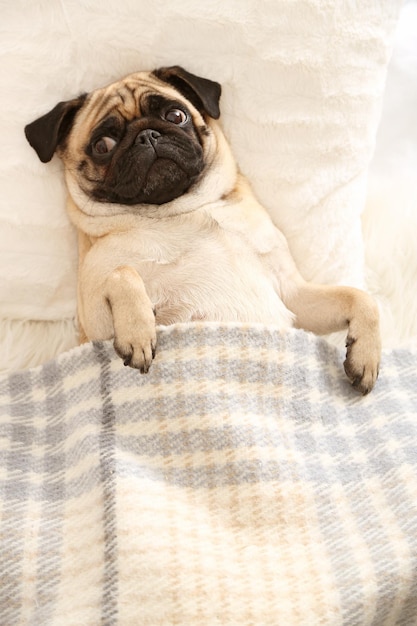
(200, 266)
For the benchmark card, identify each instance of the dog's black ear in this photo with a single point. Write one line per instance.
(202, 92)
(47, 132)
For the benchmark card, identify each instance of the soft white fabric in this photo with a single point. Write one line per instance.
(390, 216)
(302, 86)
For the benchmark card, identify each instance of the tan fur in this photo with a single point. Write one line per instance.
(212, 254)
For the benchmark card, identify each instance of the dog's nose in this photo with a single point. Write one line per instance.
(147, 137)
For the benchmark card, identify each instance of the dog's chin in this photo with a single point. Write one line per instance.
(164, 182)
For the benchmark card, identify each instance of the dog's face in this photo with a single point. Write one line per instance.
(144, 140)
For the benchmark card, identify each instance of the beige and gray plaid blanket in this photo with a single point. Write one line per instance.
(241, 482)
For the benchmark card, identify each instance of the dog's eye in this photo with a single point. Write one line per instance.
(176, 116)
(104, 145)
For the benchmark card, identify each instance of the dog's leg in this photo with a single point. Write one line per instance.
(326, 309)
(84, 245)
(133, 317)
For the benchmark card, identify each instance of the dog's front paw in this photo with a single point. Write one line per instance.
(362, 361)
(136, 343)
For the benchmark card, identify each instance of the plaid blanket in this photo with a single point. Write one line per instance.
(241, 482)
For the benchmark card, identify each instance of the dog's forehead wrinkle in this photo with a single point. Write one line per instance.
(130, 95)
(103, 102)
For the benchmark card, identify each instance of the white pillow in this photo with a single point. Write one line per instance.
(302, 86)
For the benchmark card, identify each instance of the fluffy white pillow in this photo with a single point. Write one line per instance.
(302, 86)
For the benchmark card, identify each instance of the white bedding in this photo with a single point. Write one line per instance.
(302, 91)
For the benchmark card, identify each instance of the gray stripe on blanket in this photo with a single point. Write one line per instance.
(17, 390)
(108, 473)
(51, 493)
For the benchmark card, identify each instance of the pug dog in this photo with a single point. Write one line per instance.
(170, 231)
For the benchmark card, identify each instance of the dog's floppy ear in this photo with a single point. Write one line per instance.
(202, 92)
(47, 132)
